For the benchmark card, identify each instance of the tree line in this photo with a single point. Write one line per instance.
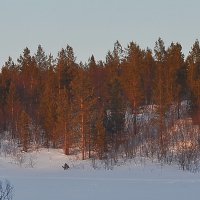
(100, 108)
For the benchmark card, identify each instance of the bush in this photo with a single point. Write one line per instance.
(6, 190)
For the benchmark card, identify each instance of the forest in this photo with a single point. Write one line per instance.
(137, 102)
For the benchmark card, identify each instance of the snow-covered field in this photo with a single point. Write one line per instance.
(48, 181)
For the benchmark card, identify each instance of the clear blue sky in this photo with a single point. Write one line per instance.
(92, 26)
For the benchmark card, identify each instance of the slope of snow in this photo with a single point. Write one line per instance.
(132, 180)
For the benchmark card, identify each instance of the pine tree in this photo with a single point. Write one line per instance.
(63, 120)
(28, 82)
(148, 77)
(174, 63)
(9, 77)
(193, 64)
(83, 102)
(132, 80)
(160, 92)
(41, 59)
(65, 68)
(24, 130)
(13, 108)
(47, 108)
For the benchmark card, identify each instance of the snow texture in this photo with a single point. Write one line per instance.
(47, 180)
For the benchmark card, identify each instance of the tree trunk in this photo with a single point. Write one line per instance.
(82, 131)
(66, 144)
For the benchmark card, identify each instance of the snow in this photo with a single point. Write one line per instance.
(46, 179)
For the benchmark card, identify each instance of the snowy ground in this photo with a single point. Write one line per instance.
(48, 181)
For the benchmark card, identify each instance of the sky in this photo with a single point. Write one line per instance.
(93, 26)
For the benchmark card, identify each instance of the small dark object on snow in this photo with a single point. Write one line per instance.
(66, 166)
